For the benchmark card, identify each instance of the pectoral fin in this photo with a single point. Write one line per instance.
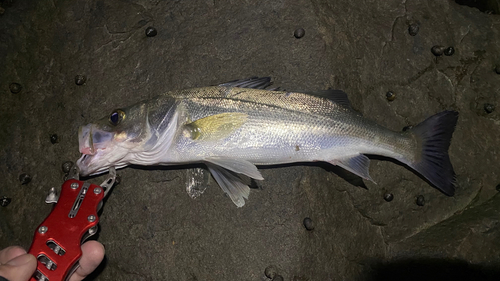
(230, 183)
(237, 165)
(358, 165)
(215, 127)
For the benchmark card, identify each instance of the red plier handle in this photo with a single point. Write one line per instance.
(58, 239)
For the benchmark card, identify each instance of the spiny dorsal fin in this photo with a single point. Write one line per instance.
(252, 82)
(337, 96)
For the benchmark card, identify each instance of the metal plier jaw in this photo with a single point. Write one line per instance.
(73, 219)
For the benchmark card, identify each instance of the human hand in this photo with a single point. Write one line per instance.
(17, 265)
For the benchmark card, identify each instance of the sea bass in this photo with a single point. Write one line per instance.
(237, 125)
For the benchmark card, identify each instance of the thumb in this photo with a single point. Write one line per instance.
(20, 268)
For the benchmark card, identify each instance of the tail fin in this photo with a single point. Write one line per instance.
(434, 164)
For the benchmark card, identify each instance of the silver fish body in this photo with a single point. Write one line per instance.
(232, 129)
(278, 131)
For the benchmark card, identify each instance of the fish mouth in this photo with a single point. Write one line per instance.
(85, 140)
(98, 163)
(88, 166)
(84, 164)
(84, 160)
(94, 145)
(91, 139)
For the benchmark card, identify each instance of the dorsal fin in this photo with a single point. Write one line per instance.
(337, 96)
(252, 82)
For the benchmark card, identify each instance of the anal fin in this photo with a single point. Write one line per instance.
(358, 165)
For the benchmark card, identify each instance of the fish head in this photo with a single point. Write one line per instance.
(112, 140)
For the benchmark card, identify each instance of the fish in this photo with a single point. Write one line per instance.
(234, 127)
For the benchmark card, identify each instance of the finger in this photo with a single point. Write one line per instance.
(92, 255)
(10, 253)
(21, 268)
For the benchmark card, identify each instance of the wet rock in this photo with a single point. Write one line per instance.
(207, 44)
(485, 6)
(469, 237)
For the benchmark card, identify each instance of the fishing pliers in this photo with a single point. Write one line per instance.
(73, 219)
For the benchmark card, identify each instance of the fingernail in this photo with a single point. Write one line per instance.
(21, 260)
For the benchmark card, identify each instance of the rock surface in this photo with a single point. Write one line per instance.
(153, 230)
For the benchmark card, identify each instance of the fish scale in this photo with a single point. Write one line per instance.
(265, 127)
(231, 129)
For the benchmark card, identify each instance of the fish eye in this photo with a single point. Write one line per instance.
(116, 117)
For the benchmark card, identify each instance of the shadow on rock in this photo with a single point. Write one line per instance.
(98, 270)
(430, 269)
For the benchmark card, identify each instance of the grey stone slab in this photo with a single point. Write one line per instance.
(153, 230)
